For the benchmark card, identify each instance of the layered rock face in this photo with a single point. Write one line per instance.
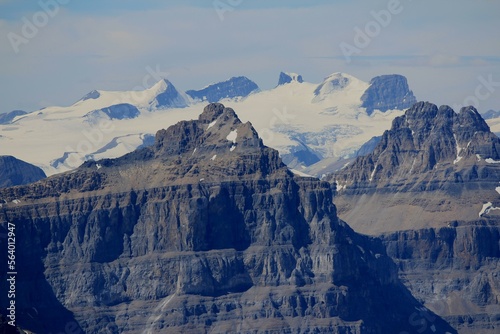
(388, 92)
(454, 271)
(431, 188)
(15, 172)
(205, 231)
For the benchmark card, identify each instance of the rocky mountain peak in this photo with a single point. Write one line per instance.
(91, 95)
(387, 92)
(166, 96)
(218, 133)
(211, 112)
(423, 138)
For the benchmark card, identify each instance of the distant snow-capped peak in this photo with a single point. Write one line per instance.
(340, 82)
(162, 94)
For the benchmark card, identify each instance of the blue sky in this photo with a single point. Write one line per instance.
(445, 48)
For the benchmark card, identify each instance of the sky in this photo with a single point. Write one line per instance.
(53, 52)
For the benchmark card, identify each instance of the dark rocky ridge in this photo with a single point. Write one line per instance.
(387, 92)
(117, 111)
(234, 87)
(205, 231)
(15, 172)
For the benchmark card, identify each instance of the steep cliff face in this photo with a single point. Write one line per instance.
(205, 231)
(454, 271)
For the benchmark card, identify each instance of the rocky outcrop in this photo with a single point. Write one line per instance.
(232, 88)
(8, 117)
(92, 95)
(289, 77)
(387, 92)
(117, 111)
(204, 231)
(15, 172)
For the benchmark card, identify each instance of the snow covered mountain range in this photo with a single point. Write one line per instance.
(310, 124)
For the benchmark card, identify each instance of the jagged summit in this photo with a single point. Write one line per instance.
(232, 88)
(423, 138)
(217, 138)
(286, 77)
(387, 92)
